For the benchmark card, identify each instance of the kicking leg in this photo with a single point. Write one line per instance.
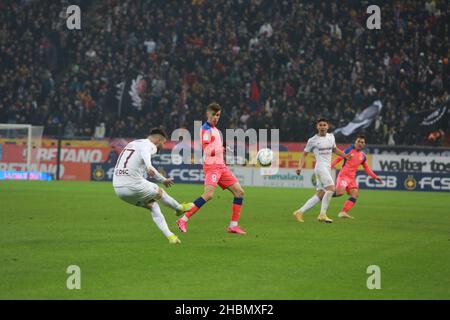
(310, 203)
(207, 195)
(166, 199)
(160, 221)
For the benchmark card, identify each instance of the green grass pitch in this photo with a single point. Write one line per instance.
(47, 226)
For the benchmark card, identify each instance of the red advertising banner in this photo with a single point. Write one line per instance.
(78, 155)
(75, 159)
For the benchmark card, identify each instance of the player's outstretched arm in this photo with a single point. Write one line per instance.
(342, 154)
(370, 172)
(153, 173)
(301, 163)
(336, 161)
(151, 170)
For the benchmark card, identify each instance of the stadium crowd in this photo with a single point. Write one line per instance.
(270, 64)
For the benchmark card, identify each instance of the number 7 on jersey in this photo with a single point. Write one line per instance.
(122, 169)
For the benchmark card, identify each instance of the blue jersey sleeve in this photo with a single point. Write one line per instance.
(347, 151)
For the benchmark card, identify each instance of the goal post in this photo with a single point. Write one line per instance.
(19, 151)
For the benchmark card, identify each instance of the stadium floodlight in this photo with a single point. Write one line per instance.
(19, 149)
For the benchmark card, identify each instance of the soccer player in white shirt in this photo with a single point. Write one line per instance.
(131, 186)
(322, 145)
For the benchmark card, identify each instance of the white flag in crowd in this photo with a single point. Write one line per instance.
(362, 120)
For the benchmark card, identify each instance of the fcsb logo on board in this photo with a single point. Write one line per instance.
(410, 183)
(98, 173)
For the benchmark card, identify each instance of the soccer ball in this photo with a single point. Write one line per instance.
(265, 157)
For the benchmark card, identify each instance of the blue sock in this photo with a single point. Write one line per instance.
(199, 202)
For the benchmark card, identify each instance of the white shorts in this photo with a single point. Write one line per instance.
(140, 194)
(323, 178)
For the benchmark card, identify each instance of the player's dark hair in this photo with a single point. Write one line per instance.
(158, 131)
(322, 120)
(214, 107)
(361, 136)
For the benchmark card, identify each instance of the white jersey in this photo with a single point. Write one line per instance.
(322, 148)
(134, 162)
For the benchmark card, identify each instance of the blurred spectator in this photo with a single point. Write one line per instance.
(392, 137)
(266, 30)
(305, 59)
(100, 131)
(113, 155)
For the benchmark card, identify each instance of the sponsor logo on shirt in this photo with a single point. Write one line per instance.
(121, 172)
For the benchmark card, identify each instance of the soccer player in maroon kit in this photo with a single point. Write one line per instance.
(346, 180)
(216, 172)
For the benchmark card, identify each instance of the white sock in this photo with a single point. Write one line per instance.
(169, 201)
(326, 201)
(310, 203)
(233, 224)
(159, 219)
